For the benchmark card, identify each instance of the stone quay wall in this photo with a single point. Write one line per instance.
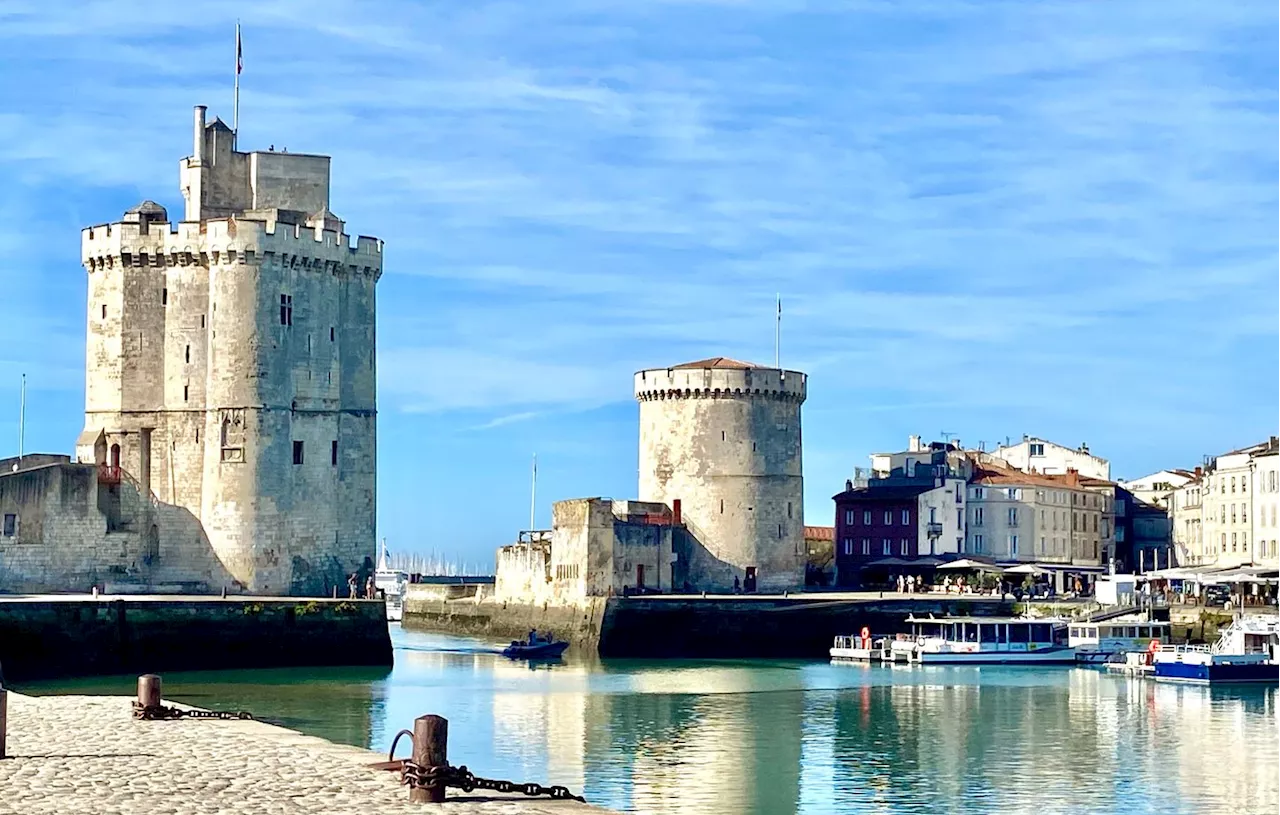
(43, 637)
(87, 754)
(799, 626)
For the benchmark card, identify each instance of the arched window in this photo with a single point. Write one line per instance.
(115, 456)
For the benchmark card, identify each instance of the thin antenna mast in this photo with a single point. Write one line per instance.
(533, 495)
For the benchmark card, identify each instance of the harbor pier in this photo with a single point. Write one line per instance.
(78, 754)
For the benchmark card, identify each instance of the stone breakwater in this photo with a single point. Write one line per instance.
(86, 754)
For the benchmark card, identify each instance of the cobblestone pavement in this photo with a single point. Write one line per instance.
(86, 755)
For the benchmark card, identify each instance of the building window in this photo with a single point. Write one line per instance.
(888, 517)
(1036, 448)
(330, 333)
(202, 321)
(848, 546)
(1042, 545)
(866, 546)
(333, 452)
(1233, 541)
(1013, 516)
(905, 543)
(1233, 513)
(1095, 523)
(886, 546)
(10, 524)
(1013, 545)
(977, 492)
(959, 492)
(977, 516)
(286, 309)
(933, 515)
(977, 544)
(1015, 494)
(906, 517)
(1244, 513)
(185, 390)
(721, 506)
(848, 517)
(186, 354)
(788, 509)
(866, 517)
(297, 452)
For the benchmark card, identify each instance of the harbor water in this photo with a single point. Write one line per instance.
(729, 737)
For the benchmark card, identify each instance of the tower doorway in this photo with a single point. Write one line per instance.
(749, 582)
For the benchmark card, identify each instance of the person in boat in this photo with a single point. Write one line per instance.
(533, 636)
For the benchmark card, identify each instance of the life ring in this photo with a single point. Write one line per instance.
(1153, 646)
(866, 637)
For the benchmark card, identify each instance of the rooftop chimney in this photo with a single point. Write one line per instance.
(675, 512)
(848, 484)
(913, 444)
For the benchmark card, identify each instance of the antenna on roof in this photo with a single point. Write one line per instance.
(947, 435)
(235, 106)
(777, 336)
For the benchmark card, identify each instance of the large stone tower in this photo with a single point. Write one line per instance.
(230, 363)
(722, 438)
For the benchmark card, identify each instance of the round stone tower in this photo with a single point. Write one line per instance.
(721, 438)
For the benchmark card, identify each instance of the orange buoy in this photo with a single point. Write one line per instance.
(1153, 646)
(866, 637)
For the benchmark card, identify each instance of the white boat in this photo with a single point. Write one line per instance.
(391, 583)
(1109, 640)
(986, 640)
(857, 649)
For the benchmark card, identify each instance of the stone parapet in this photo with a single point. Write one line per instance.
(228, 240)
(720, 383)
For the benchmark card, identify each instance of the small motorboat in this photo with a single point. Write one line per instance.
(537, 647)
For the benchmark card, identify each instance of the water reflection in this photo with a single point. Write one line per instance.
(713, 738)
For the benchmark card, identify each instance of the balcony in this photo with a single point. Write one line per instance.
(934, 530)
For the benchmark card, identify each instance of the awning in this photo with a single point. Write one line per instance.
(1026, 568)
(966, 563)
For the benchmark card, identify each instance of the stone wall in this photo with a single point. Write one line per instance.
(48, 638)
(726, 444)
(73, 532)
(578, 623)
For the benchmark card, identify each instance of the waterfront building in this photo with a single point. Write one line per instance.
(1014, 516)
(1186, 520)
(1224, 516)
(721, 438)
(1043, 456)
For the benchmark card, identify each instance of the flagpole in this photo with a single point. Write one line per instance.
(235, 107)
(22, 418)
(533, 495)
(777, 336)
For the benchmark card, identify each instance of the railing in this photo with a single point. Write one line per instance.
(934, 530)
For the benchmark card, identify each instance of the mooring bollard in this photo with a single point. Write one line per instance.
(149, 691)
(430, 749)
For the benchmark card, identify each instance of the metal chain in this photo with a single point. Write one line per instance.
(159, 712)
(463, 779)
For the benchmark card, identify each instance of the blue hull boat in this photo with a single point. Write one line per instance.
(1219, 673)
(540, 650)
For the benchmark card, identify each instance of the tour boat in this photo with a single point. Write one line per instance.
(987, 640)
(1247, 651)
(1108, 640)
(857, 649)
(391, 582)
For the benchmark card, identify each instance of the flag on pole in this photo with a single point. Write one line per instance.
(239, 52)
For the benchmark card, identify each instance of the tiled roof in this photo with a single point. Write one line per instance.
(999, 475)
(719, 362)
(820, 533)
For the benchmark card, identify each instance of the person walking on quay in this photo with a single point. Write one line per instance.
(737, 585)
(352, 582)
(902, 584)
(370, 589)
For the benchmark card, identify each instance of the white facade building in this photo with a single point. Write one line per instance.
(1156, 488)
(1227, 516)
(1042, 456)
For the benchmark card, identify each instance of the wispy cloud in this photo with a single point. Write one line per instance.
(994, 216)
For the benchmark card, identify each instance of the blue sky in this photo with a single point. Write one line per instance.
(988, 218)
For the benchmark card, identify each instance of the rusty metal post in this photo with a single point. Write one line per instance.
(149, 690)
(430, 749)
(4, 718)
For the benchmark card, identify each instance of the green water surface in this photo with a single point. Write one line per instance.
(727, 737)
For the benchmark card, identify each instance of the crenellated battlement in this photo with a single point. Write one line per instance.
(227, 240)
(720, 383)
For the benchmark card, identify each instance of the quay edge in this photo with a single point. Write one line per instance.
(55, 636)
(669, 626)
